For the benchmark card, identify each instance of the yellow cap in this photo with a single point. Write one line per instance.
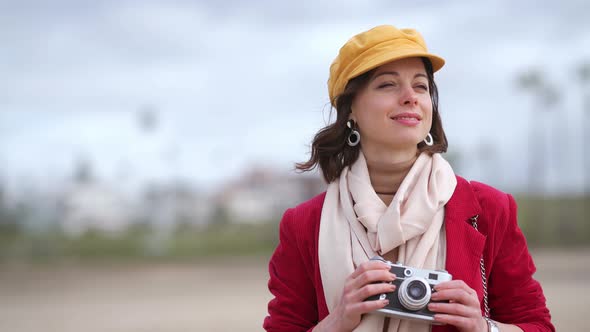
(371, 49)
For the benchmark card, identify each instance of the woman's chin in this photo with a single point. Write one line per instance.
(404, 143)
(409, 146)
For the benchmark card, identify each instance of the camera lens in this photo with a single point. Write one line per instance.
(414, 293)
(416, 290)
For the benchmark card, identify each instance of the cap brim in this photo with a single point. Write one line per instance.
(383, 58)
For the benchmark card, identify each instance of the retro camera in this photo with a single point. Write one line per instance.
(412, 294)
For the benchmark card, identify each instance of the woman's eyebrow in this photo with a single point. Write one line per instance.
(394, 73)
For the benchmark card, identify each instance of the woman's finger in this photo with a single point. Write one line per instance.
(368, 266)
(361, 308)
(454, 309)
(372, 276)
(456, 295)
(453, 284)
(372, 289)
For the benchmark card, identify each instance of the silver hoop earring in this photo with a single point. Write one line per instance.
(354, 138)
(429, 140)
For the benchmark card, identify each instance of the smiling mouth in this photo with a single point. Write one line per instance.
(406, 117)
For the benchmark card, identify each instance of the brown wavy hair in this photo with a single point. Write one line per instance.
(329, 149)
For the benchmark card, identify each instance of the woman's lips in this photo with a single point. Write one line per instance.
(407, 119)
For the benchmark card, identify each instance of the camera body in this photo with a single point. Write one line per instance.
(411, 296)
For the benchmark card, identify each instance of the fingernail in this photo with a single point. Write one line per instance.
(393, 276)
(385, 302)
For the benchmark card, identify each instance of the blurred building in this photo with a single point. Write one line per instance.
(86, 203)
(168, 205)
(263, 194)
(94, 206)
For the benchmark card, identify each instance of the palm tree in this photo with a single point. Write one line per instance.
(532, 81)
(584, 74)
(546, 96)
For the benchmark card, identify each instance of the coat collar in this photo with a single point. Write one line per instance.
(465, 244)
(463, 204)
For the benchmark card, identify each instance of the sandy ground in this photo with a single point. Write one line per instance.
(213, 296)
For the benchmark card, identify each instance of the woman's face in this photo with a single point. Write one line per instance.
(394, 109)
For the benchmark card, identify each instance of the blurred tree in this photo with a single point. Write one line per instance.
(546, 96)
(584, 74)
(162, 220)
(4, 212)
(533, 81)
(83, 171)
(147, 117)
(455, 158)
(488, 158)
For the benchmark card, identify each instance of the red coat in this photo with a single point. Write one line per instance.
(514, 296)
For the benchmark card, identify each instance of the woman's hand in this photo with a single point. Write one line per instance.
(362, 283)
(463, 310)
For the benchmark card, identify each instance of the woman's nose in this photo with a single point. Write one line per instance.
(409, 97)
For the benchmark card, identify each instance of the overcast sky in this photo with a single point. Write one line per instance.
(242, 83)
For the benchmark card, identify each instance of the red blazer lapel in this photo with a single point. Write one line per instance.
(464, 243)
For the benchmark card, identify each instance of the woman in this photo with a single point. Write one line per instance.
(392, 194)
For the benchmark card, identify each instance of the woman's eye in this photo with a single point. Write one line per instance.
(422, 86)
(386, 84)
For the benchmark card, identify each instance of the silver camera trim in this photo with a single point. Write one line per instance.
(407, 315)
(415, 272)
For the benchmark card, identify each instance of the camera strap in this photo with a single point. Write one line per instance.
(483, 273)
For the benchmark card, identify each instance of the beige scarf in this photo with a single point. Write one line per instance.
(356, 225)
